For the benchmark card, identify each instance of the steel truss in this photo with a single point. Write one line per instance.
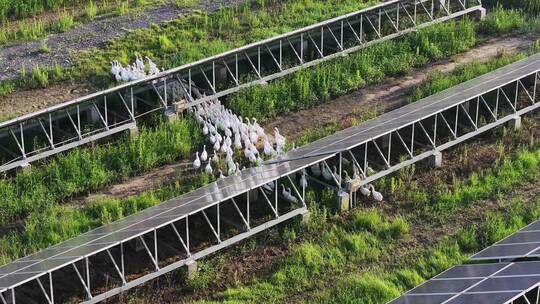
(531, 296)
(424, 138)
(57, 129)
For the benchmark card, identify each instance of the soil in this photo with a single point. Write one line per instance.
(389, 95)
(93, 34)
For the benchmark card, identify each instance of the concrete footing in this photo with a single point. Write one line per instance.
(133, 132)
(25, 167)
(480, 14)
(305, 217)
(435, 160)
(515, 123)
(170, 115)
(191, 269)
(343, 201)
(180, 107)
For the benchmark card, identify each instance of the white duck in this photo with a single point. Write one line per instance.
(316, 170)
(326, 173)
(376, 195)
(280, 140)
(196, 162)
(303, 180)
(208, 169)
(365, 191)
(204, 154)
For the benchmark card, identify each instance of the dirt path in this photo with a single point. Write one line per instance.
(388, 95)
(391, 93)
(90, 35)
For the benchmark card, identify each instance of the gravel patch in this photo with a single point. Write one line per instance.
(93, 34)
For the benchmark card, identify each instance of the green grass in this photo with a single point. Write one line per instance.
(501, 21)
(43, 48)
(85, 170)
(382, 284)
(336, 245)
(91, 10)
(64, 23)
(531, 7)
(187, 3)
(200, 35)
(512, 172)
(333, 252)
(17, 9)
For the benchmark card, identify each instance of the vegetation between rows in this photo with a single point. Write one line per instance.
(350, 249)
(85, 170)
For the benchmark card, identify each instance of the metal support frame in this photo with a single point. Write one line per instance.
(254, 64)
(405, 153)
(409, 151)
(209, 216)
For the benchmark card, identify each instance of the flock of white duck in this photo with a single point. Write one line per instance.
(135, 71)
(228, 132)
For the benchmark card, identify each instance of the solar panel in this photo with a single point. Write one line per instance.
(388, 122)
(522, 244)
(146, 220)
(498, 283)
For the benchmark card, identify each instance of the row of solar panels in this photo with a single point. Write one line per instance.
(493, 283)
(100, 239)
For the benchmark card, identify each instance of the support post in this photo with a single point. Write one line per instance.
(435, 160)
(515, 123)
(305, 216)
(480, 14)
(133, 132)
(191, 269)
(439, 5)
(170, 115)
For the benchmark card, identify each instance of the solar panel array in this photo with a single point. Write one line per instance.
(383, 124)
(523, 244)
(145, 221)
(108, 236)
(496, 283)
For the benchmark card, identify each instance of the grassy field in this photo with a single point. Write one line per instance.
(38, 21)
(42, 229)
(313, 86)
(200, 35)
(164, 144)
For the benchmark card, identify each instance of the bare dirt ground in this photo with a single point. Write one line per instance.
(90, 35)
(387, 96)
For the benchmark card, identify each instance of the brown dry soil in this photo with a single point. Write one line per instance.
(384, 97)
(257, 259)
